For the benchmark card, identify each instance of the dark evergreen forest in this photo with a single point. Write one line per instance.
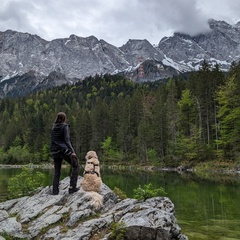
(187, 120)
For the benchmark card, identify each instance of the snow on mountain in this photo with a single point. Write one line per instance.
(221, 45)
(65, 60)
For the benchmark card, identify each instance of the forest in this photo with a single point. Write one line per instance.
(181, 120)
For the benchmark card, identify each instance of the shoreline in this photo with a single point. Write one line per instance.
(30, 165)
(179, 169)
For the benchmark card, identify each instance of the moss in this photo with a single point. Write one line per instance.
(118, 231)
(6, 236)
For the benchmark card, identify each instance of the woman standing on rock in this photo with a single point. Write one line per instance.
(62, 149)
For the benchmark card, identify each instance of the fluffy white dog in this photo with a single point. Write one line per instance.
(91, 182)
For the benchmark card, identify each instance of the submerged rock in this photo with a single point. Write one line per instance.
(72, 217)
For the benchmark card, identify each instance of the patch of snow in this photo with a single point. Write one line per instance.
(67, 42)
(182, 66)
(219, 61)
(187, 41)
(169, 62)
(96, 47)
(164, 39)
(9, 76)
(129, 69)
(115, 72)
(5, 78)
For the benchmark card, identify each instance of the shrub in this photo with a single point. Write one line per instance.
(118, 231)
(122, 195)
(24, 183)
(148, 192)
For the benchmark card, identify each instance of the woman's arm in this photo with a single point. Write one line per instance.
(67, 138)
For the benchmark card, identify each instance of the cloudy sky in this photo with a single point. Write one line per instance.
(115, 21)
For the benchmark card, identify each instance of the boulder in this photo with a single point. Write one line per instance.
(72, 217)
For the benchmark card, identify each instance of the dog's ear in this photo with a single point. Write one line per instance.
(88, 155)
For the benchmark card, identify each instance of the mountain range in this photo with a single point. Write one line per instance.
(29, 63)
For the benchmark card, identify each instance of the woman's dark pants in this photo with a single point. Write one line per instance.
(58, 158)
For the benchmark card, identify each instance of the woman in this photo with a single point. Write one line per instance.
(62, 149)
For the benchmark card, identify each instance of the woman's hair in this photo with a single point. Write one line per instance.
(61, 117)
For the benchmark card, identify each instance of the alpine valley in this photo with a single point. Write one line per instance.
(29, 63)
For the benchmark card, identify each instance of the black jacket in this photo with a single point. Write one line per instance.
(60, 138)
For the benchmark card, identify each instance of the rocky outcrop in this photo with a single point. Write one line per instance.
(64, 216)
(220, 45)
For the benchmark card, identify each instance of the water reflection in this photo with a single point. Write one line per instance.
(205, 209)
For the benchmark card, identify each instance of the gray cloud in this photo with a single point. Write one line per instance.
(114, 21)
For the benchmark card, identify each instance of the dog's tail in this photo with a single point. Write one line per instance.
(96, 200)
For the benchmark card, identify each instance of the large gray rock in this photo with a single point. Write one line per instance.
(71, 217)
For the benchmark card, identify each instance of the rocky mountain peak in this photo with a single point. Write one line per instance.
(238, 24)
(213, 24)
(79, 57)
(220, 45)
(89, 42)
(138, 51)
(136, 44)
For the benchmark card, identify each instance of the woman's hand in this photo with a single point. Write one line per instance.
(74, 155)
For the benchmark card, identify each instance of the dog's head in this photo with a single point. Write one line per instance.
(93, 161)
(91, 154)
